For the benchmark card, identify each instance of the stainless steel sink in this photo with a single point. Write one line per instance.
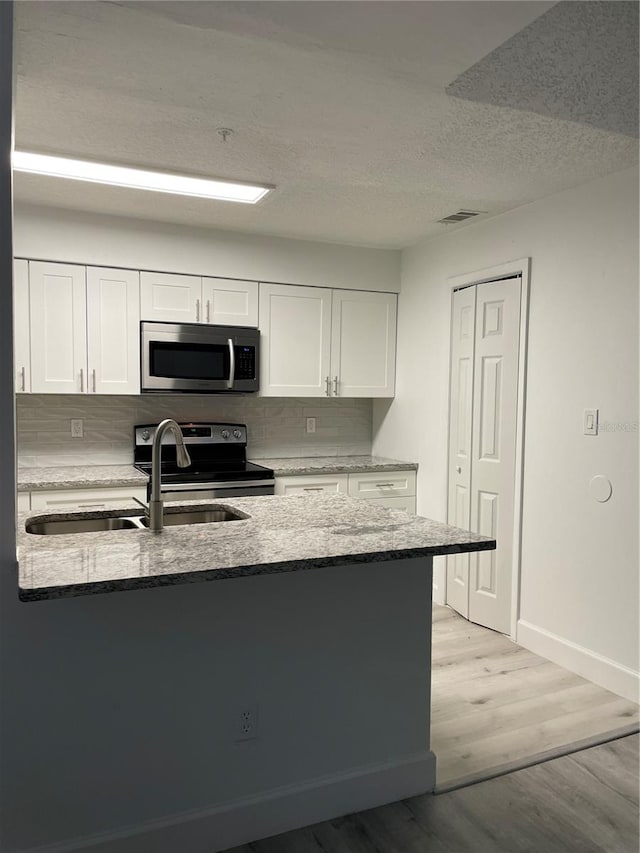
(80, 525)
(198, 516)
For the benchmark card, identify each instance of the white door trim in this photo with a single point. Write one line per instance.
(521, 267)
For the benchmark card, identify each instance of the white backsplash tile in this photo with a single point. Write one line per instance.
(276, 426)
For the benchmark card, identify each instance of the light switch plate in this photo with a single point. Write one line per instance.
(590, 422)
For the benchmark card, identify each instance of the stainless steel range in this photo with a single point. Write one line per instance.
(218, 469)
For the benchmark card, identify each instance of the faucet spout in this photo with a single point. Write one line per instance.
(156, 506)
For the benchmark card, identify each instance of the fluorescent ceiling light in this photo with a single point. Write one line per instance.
(140, 179)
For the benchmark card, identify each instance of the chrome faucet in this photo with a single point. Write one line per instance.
(156, 505)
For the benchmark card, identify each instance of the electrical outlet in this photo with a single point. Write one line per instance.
(77, 427)
(247, 723)
(311, 425)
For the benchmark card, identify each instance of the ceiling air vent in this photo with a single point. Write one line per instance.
(460, 216)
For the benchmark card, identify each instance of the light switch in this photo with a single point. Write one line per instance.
(591, 421)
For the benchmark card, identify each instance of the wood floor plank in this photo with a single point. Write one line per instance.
(582, 803)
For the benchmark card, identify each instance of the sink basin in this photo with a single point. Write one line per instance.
(198, 516)
(80, 525)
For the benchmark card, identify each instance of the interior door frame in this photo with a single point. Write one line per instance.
(521, 267)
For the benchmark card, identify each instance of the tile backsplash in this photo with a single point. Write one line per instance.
(276, 426)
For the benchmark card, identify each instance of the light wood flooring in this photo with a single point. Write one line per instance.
(586, 802)
(496, 706)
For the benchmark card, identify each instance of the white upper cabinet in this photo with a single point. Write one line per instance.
(363, 343)
(84, 329)
(228, 302)
(295, 326)
(172, 298)
(317, 342)
(58, 328)
(191, 299)
(113, 334)
(21, 333)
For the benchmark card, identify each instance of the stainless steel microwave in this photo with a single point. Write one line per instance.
(198, 358)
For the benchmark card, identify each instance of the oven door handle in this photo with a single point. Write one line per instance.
(232, 364)
(203, 487)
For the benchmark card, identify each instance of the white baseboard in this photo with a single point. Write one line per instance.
(269, 813)
(597, 668)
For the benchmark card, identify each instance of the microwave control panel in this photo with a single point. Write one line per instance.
(245, 362)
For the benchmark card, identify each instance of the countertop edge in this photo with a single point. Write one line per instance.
(255, 570)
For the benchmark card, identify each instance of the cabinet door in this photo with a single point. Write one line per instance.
(363, 344)
(21, 335)
(23, 501)
(228, 302)
(113, 331)
(296, 340)
(58, 323)
(328, 484)
(172, 298)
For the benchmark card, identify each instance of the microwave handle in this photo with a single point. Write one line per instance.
(232, 364)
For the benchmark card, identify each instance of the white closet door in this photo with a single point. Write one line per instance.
(363, 343)
(295, 326)
(170, 298)
(228, 302)
(113, 331)
(21, 334)
(58, 328)
(494, 449)
(460, 423)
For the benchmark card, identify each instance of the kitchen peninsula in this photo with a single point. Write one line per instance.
(321, 639)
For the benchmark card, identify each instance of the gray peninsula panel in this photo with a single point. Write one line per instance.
(281, 534)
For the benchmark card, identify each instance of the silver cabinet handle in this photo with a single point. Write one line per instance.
(385, 486)
(81, 379)
(197, 310)
(94, 506)
(23, 380)
(312, 489)
(93, 379)
(327, 388)
(232, 364)
(458, 469)
(335, 386)
(208, 311)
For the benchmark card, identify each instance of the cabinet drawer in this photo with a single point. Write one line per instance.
(329, 484)
(86, 498)
(382, 484)
(408, 504)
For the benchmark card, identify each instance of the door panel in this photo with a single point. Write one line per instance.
(21, 333)
(228, 302)
(113, 321)
(295, 326)
(494, 449)
(460, 425)
(170, 298)
(363, 343)
(58, 324)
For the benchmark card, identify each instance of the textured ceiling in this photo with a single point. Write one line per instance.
(341, 105)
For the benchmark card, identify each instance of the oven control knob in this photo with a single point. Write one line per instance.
(237, 433)
(145, 434)
(225, 433)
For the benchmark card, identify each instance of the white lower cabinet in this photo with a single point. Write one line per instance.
(23, 501)
(331, 484)
(86, 498)
(392, 489)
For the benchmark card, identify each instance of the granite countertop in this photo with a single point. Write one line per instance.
(95, 476)
(281, 534)
(79, 477)
(334, 465)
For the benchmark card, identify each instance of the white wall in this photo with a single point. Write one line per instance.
(65, 235)
(579, 593)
